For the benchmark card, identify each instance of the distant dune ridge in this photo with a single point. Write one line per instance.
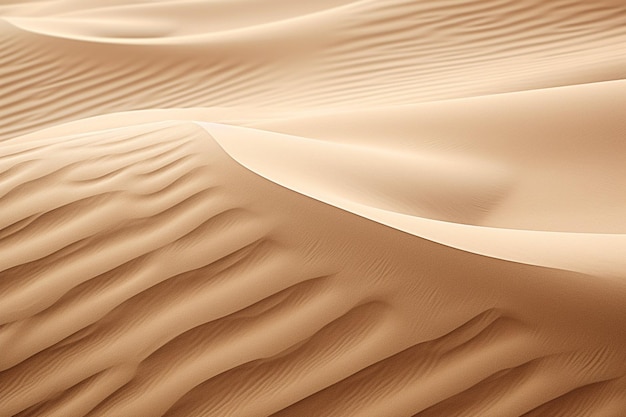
(335, 208)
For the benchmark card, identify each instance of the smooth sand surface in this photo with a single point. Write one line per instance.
(334, 208)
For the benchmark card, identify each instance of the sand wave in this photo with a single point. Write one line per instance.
(405, 51)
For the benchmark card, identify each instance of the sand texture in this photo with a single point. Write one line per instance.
(365, 208)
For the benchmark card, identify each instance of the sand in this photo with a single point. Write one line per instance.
(334, 208)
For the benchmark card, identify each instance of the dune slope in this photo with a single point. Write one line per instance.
(337, 208)
(166, 279)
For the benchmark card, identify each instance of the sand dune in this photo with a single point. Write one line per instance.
(332, 208)
(336, 54)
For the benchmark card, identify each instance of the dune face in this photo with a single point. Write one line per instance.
(334, 208)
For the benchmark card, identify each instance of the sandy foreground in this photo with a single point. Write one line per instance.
(378, 208)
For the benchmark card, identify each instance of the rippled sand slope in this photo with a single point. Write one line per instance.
(331, 208)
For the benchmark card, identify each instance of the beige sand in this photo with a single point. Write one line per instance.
(331, 208)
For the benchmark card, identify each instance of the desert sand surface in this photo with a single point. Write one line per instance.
(376, 208)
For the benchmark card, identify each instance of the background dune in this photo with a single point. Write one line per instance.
(331, 208)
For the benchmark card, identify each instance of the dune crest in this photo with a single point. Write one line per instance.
(312, 168)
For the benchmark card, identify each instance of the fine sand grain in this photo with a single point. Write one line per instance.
(312, 208)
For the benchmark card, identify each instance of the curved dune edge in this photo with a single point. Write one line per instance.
(147, 24)
(592, 253)
(124, 31)
(161, 277)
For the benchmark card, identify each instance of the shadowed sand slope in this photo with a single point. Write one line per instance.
(335, 208)
(145, 272)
